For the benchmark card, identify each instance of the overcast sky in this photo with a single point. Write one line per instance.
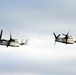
(36, 20)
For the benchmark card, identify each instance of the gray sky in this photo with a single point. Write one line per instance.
(37, 20)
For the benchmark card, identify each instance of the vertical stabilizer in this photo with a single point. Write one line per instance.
(24, 42)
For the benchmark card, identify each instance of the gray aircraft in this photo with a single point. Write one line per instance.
(67, 39)
(11, 42)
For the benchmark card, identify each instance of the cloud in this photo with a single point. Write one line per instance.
(38, 60)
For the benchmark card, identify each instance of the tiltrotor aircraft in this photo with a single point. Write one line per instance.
(11, 42)
(67, 39)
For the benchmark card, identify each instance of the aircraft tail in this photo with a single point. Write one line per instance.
(24, 42)
(1, 34)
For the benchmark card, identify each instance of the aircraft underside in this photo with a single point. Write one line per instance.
(14, 44)
(69, 41)
(5, 42)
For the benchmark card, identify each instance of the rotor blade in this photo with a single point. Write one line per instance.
(58, 36)
(8, 43)
(1, 34)
(68, 32)
(64, 34)
(66, 40)
(10, 36)
(55, 43)
(54, 34)
(11, 39)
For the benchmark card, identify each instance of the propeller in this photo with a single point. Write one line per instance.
(55, 43)
(66, 36)
(1, 34)
(56, 37)
(10, 40)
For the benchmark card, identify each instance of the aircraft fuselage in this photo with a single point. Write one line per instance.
(70, 40)
(12, 43)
